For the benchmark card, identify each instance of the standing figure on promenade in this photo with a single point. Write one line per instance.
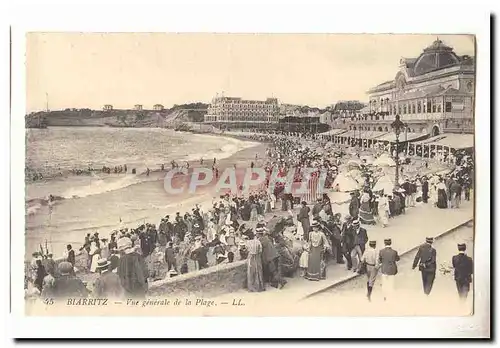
(354, 206)
(316, 268)
(132, 270)
(370, 260)
(360, 240)
(255, 275)
(388, 259)
(347, 240)
(425, 189)
(426, 262)
(442, 197)
(303, 218)
(464, 268)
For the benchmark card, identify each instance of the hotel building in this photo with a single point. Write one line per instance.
(433, 94)
(235, 110)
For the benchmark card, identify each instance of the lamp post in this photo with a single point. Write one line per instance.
(397, 126)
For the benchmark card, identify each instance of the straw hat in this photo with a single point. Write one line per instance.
(103, 263)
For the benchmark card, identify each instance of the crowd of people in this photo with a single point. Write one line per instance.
(237, 227)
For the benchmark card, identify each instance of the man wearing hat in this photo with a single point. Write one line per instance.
(132, 270)
(347, 240)
(426, 262)
(360, 240)
(68, 285)
(370, 260)
(388, 259)
(464, 268)
(425, 189)
(108, 284)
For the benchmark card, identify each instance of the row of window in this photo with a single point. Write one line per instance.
(430, 106)
(378, 129)
(240, 119)
(241, 113)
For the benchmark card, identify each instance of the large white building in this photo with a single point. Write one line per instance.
(230, 109)
(432, 94)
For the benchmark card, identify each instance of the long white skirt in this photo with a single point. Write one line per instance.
(93, 265)
(388, 285)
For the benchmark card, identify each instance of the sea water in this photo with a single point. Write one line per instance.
(103, 202)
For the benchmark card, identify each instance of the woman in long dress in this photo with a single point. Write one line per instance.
(94, 254)
(383, 209)
(255, 276)
(365, 211)
(316, 267)
(442, 201)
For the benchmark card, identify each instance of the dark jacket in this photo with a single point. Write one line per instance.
(347, 237)
(71, 257)
(464, 268)
(303, 213)
(108, 285)
(426, 256)
(67, 286)
(269, 252)
(361, 237)
(388, 258)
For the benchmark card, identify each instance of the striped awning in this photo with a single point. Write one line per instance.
(456, 141)
(402, 137)
(372, 134)
(334, 131)
(349, 134)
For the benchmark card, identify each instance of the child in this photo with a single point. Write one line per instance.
(304, 259)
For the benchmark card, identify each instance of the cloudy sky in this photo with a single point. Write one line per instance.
(123, 69)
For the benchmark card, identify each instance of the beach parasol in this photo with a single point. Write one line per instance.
(345, 183)
(338, 197)
(353, 163)
(385, 183)
(356, 175)
(384, 161)
(369, 159)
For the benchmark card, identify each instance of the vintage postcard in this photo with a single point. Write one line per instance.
(210, 174)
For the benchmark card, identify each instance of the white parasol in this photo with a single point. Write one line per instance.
(385, 183)
(345, 183)
(384, 161)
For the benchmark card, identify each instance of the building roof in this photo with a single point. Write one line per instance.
(352, 105)
(437, 56)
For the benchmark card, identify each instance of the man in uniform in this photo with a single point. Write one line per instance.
(370, 259)
(464, 268)
(426, 262)
(388, 267)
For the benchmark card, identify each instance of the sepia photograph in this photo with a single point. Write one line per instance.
(177, 174)
(362, 190)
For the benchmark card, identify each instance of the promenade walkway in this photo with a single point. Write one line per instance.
(407, 232)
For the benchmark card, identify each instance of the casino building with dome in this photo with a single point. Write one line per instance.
(433, 94)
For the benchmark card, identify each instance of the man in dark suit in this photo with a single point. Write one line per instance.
(71, 255)
(388, 259)
(464, 268)
(360, 240)
(347, 240)
(426, 262)
(425, 189)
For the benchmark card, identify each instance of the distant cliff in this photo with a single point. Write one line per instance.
(167, 118)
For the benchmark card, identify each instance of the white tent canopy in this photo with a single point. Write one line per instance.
(338, 197)
(345, 183)
(385, 183)
(384, 161)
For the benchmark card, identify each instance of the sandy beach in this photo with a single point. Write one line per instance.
(145, 200)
